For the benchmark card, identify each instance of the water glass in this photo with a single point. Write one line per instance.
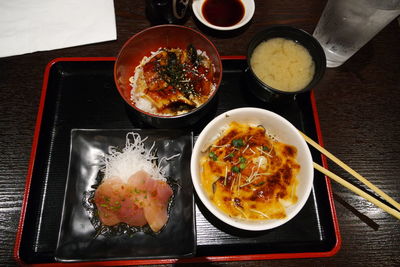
(347, 25)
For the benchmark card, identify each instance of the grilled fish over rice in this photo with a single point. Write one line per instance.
(172, 81)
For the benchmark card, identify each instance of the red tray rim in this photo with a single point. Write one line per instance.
(18, 259)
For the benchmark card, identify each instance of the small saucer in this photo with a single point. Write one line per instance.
(249, 8)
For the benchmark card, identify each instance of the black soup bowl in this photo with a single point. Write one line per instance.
(268, 93)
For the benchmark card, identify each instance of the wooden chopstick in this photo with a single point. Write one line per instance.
(358, 191)
(351, 171)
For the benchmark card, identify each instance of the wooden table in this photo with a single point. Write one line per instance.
(358, 107)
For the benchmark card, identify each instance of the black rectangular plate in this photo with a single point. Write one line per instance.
(79, 240)
(82, 94)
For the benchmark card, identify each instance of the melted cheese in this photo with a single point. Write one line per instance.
(249, 175)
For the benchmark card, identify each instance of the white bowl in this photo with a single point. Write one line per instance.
(249, 7)
(285, 132)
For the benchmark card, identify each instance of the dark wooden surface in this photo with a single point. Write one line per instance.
(358, 107)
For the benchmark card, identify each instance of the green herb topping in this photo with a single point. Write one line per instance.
(237, 143)
(213, 156)
(235, 169)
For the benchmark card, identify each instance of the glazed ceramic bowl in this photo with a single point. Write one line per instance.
(150, 40)
(279, 127)
(220, 10)
(268, 93)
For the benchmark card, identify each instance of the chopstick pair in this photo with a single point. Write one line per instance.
(351, 187)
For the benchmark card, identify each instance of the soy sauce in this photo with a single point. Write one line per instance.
(223, 13)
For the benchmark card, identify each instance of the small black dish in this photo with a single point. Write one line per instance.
(269, 94)
(78, 239)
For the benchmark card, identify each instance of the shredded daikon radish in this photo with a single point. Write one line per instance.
(133, 158)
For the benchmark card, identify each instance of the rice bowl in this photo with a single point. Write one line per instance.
(151, 40)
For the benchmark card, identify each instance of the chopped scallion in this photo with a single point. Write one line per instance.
(235, 169)
(237, 142)
(213, 156)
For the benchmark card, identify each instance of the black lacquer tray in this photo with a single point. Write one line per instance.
(80, 93)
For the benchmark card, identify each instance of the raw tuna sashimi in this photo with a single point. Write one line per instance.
(139, 201)
(153, 196)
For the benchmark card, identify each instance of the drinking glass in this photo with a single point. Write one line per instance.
(347, 25)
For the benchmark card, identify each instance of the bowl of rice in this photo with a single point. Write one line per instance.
(168, 75)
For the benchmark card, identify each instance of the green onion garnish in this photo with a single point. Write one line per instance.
(213, 156)
(237, 142)
(235, 169)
